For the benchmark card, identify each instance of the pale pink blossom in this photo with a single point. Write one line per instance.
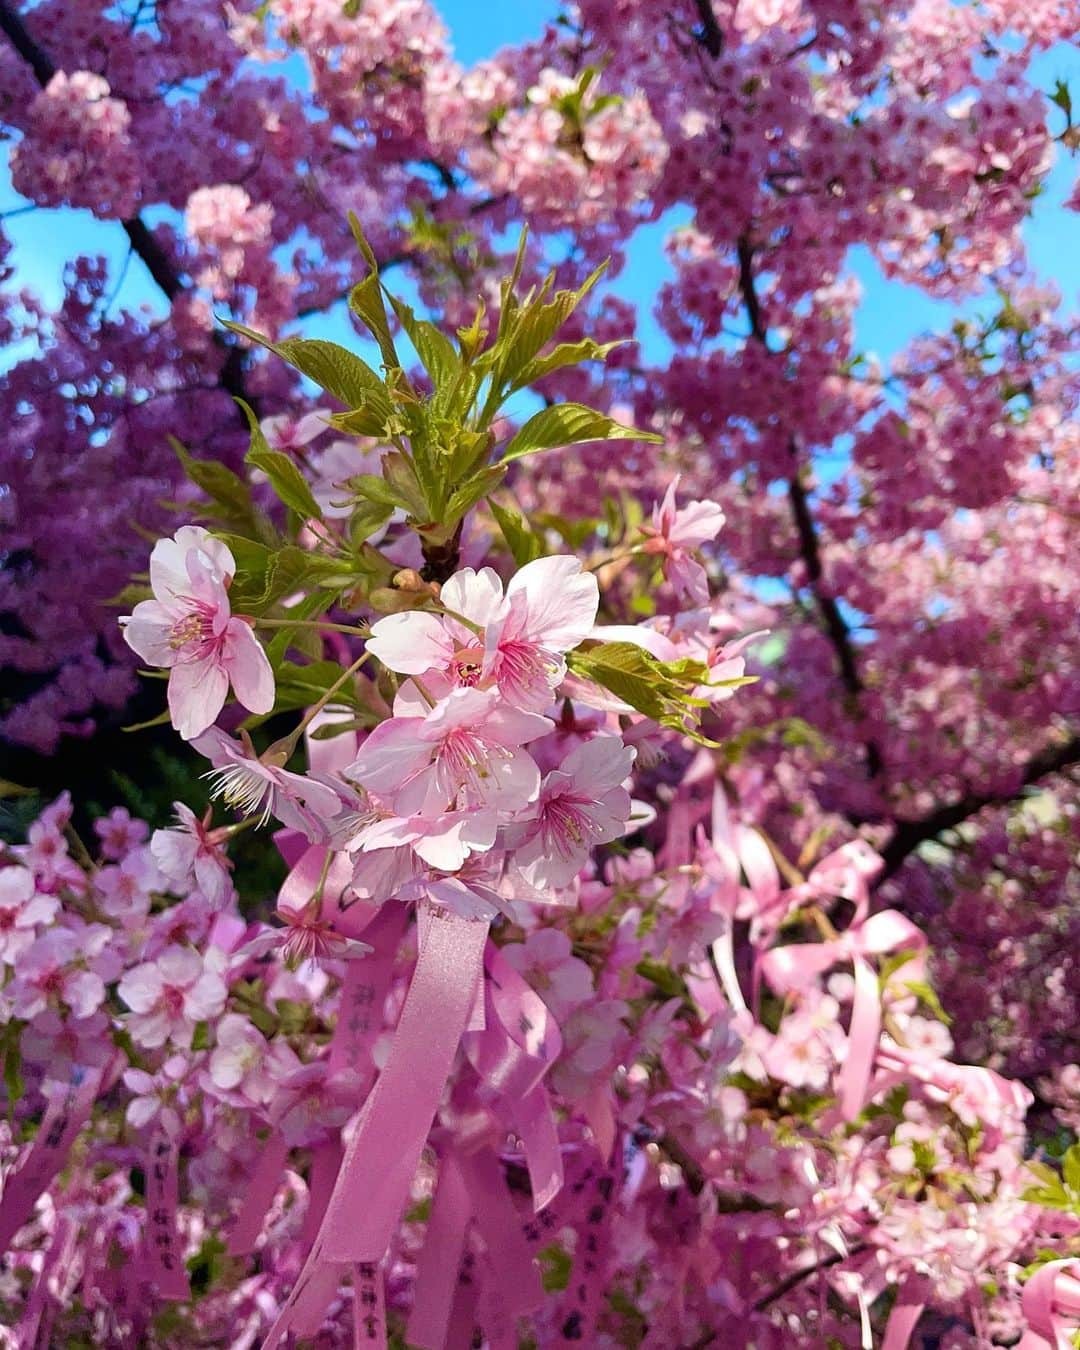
(676, 533)
(169, 996)
(22, 908)
(54, 973)
(547, 962)
(259, 787)
(120, 832)
(125, 888)
(515, 641)
(581, 804)
(189, 629)
(284, 432)
(465, 751)
(245, 1064)
(155, 1096)
(444, 841)
(304, 937)
(192, 852)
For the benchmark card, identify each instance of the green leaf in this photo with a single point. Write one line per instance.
(565, 354)
(570, 424)
(230, 495)
(288, 482)
(285, 478)
(535, 323)
(524, 543)
(13, 1079)
(668, 981)
(662, 690)
(366, 302)
(300, 686)
(336, 369)
(465, 497)
(434, 348)
(200, 1037)
(556, 1266)
(310, 607)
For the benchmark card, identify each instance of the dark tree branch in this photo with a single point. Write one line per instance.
(143, 243)
(836, 628)
(710, 37)
(910, 834)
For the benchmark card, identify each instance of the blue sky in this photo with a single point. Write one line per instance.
(890, 315)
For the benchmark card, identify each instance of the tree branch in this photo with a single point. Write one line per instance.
(143, 243)
(836, 628)
(710, 37)
(910, 834)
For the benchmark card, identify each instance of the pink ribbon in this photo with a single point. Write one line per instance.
(163, 1252)
(373, 1183)
(258, 1195)
(439, 1264)
(1051, 1304)
(364, 990)
(906, 1311)
(796, 968)
(472, 1188)
(517, 1046)
(369, 1307)
(64, 1117)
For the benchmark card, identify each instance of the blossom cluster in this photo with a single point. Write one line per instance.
(707, 1163)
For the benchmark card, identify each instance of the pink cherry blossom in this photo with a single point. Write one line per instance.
(54, 973)
(284, 432)
(468, 746)
(193, 851)
(306, 937)
(581, 804)
(257, 787)
(22, 909)
(119, 833)
(676, 533)
(189, 629)
(516, 641)
(546, 960)
(167, 997)
(244, 1062)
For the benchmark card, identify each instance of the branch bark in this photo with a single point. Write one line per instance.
(836, 628)
(910, 834)
(157, 262)
(711, 36)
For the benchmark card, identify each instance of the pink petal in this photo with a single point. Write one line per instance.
(559, 602)
(411, 643)
(197, 692)
(248, 667)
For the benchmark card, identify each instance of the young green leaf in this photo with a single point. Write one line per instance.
(570, 424)
(525, 544)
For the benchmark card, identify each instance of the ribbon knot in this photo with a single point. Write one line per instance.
(797, 967)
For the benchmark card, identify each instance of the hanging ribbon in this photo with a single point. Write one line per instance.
(582, 1304)
(440, 1260)
(472, 1189)
(363, 994)
(369, 1307)
(1051, 1304)
(64, 1117)
(906, 1311)
(518, 1045)
(373, 1183)
(163, 1251)
(258, 1196)
(364, 990)
(797, 968)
